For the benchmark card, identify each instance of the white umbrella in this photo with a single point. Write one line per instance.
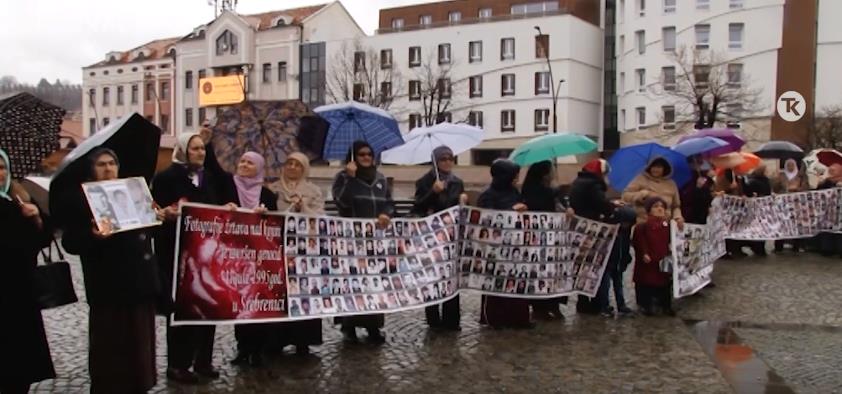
(421, 141)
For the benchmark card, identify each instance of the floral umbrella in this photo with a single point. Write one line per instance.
(29, 129)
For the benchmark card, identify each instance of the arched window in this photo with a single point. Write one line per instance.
(226, 44)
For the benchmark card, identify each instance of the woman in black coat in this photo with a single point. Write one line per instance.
(436, 191)
(194, 176)
(122, 285)
(361, 191)
(25, 352)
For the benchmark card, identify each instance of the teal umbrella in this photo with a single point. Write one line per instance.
(551, 146)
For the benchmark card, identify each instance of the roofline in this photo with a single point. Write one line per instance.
(327, 5)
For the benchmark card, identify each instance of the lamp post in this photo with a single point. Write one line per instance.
(555, 90)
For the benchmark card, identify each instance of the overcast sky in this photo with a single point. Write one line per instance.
(56, 38)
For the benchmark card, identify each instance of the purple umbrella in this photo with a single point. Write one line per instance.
(735, 142)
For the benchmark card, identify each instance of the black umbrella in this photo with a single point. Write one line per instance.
(134, 139)
(779, 150)
(29, 129)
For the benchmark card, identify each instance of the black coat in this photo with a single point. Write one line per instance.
(500, 199)
(541, 199)
(25, 355)
(356, 198)
(587, 197)
(695, 200)
(757, 186)
(427, 201)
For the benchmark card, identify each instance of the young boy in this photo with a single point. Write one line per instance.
(651, 242)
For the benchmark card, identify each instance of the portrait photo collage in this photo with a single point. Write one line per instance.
(695, 249)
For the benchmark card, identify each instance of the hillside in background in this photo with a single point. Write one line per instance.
(63, 94)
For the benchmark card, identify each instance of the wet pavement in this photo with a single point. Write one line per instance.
(772, 325)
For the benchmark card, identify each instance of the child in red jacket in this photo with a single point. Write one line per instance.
(651, 242)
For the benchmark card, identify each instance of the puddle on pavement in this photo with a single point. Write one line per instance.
(744, 371)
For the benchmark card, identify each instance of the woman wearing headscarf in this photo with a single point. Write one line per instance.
(438, 190)
(540, 196)
(122, 285)
(297, 194)
(697, 194)
(194, 176)
(361, 191)
(504, 312)
(26, 353)
(655, 181)
(790, 180)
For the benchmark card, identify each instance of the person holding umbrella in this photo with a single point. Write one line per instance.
(26, 354)
(438, 190)
(697, 195)
(757, 184)
(790, 180)
(655, 181)
(361, 191)
(122, 285)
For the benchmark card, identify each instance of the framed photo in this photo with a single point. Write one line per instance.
(126, 203)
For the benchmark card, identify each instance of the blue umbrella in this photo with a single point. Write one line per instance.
(628, 162)
(354, 121)
(697, 146)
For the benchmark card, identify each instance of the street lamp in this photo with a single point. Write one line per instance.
(555, 90)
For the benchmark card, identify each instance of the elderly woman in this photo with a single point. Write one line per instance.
(26, 353)
(297, 194)
(361, 191)
(790, 180)
(122, 285)
(655, 181)
(194, 176)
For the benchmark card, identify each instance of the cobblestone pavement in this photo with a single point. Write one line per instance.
(582, 354)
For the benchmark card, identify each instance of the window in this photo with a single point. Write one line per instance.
(444, 117)
(507, 49)
(454, 17)
(621, 11)
(542, 82)
(105, 121)
(623, 119)
(444, 88)
(282, 71)
(92, 125)
(641, 116)
(202, 115)
(134, 94)
(542, 119)
(735, 74)
(507, 120)
(397, 23)
(485, 13)
(202, 74)
(542, 46)
(267, 72)
(668, 38)
(106, 96)
(475, 51)
(507, 82)
(702, 4)
(668, 76)
(641, 8)
(669, 6)
(701, 74)
(735, 35)
(475, 87)
(534, 7)
(359, 61)
(622, 45)
(668, 113)
(425, 20)
(385, 90)
(641, 79)
(150, 91)
(119, 95)
(640, 38)
(475, 118)
(165, 91)
(414, 56)
(414, 121)
(188, 117)
(734, 112)
(92, 97)
(415, 90)
(385, 59)
(165, 123)
(359, 92)
(622, 83)
(311, 73)
(702, 36)
(226, 44)
(736, 4)
(188, 80)
(444, 53)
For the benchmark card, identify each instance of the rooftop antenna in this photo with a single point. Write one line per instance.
(222, 5)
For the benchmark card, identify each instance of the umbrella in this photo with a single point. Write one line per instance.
(628, 162)
(781, 150)
(829, 157)
(421, 141)
(696, 146)
(814, 169)
(29, 129)
(740, 162)
(270, 128)
(353, 121)
(38, 188)
(735, 142)
(134, 139)
(551, 146)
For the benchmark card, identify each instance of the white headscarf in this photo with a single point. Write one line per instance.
(179, 154)
(790, 175)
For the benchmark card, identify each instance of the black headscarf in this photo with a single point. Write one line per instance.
(538, 196)
(365, 174)
(503, 174)
(95, 154)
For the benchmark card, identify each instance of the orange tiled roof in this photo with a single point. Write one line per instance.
(263, 20)
(157, 49)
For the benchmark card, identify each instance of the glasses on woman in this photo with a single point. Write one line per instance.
(364, 153)
(447, 158)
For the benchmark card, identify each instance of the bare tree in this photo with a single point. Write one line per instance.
(826, 130)
(362, 74)
(705, 89)
(436, 90)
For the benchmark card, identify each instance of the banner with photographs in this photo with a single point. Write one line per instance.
(229, 267)
(343, 266)
(782, 216)
(533, 255)
(126, 203)
(694, 251)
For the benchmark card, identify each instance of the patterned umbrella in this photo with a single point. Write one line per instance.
(354, 121)
(268, 127)
(29, 129)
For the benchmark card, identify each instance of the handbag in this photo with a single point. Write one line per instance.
(53, 283)
(665, 265)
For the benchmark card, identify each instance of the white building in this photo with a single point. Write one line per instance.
(829, 55)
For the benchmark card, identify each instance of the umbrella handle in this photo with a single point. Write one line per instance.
(435, 166)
